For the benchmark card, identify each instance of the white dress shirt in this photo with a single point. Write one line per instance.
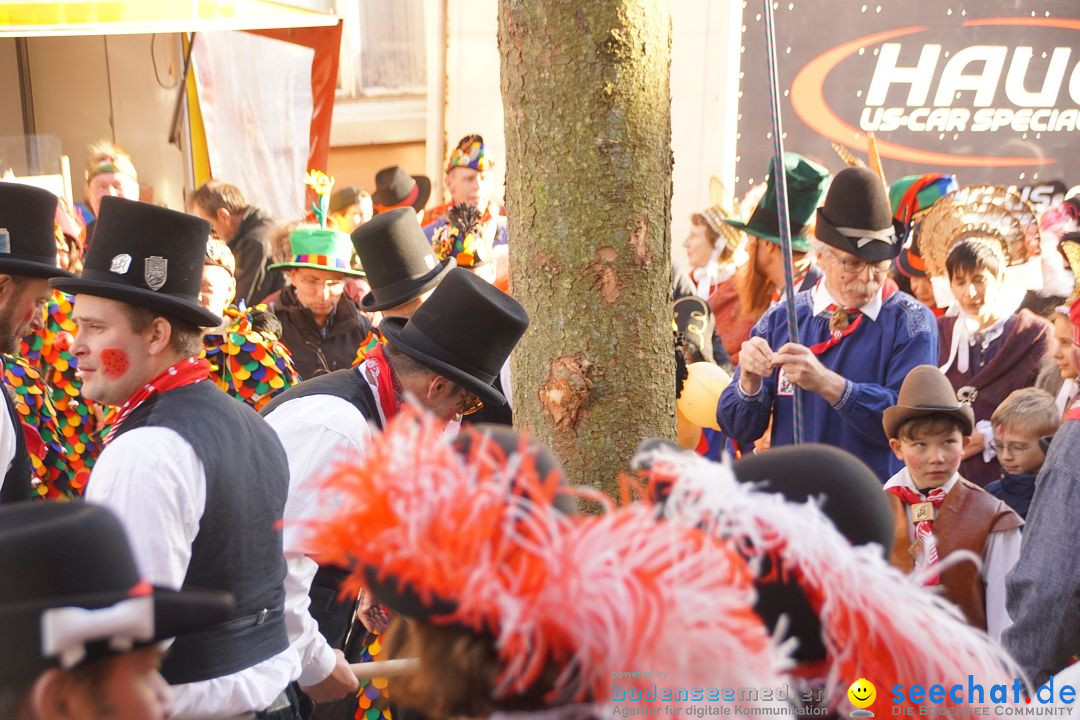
(1000, 554)
(153, 480)
(823, 299)
(317, 431)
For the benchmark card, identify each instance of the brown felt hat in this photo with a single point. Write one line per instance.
(926, 391)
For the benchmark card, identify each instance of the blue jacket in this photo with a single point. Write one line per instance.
(874, 360)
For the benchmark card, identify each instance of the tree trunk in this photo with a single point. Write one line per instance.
(586, 94)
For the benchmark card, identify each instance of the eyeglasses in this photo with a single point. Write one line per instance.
(470, 403)
(1013, 448)
(857, 267)
(316, 283)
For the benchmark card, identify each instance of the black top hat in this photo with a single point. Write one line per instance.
(465, 332)
(147, 256)
(857, 217)
(394, 187)
(850, 496)
(27, 238)
(72, 592)
(397, 258)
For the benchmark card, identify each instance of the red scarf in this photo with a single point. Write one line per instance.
(186, 372)
(924, 528)
(1073, 414)
(378, 370)
(887, 289)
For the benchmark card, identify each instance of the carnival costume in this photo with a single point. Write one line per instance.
(27, 249)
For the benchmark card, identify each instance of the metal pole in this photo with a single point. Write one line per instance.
(780, 180)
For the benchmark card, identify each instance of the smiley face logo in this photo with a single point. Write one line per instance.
(862, 693)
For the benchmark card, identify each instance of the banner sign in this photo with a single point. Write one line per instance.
(986, 89)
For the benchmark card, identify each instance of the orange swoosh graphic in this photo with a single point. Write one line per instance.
(808, 99)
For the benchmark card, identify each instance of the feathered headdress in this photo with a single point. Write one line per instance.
(876, 622)
(462, 237)
(478, 542)
(992, 212)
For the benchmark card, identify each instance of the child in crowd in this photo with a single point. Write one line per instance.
(1019, 422)
(937, 511)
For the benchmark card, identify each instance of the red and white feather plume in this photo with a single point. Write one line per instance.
(876, 622)
(591, 595)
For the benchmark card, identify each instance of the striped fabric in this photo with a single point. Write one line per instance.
(323, 260)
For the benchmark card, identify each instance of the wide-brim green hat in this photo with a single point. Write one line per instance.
(806, 184)
(320, 249)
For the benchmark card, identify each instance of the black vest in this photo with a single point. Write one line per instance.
(238, 548)
(333, 616)
(346, 384)
(16, 485)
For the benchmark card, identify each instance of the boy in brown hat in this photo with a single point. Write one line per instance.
(937, 511)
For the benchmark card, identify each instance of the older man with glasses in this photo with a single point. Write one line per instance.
(859, 337)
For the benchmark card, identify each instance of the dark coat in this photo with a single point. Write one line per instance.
(251, 248)
(313, 354)
(1011, 362)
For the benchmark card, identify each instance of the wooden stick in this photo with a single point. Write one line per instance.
(875, 159)
(385, 668)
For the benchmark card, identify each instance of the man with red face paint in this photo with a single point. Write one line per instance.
(198, 515)
(27, 261)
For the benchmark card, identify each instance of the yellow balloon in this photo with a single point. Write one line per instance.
(701, 392)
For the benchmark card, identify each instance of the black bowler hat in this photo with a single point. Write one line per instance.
(850, 496)
(857, 217)
(396, 188)
(397, 258)
(27, 237)
(465, 332)
(147, 256)
(72, 592)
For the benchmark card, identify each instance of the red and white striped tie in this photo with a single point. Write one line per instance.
(924, 522)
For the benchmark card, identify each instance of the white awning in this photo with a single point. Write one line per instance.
(128, 17)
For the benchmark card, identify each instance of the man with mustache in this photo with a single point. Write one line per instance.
(27, 261)
(859, 337)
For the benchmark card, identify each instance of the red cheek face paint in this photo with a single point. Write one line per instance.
(114, 363)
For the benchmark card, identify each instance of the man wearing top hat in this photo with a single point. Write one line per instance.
(83, 631)
(859, 337)
(320, 324)
(199, 514)
(402, 270)
(27, 261)
(445, 358)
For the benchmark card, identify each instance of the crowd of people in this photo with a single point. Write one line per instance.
(293, 489)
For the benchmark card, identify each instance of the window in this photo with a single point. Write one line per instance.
(382, 77)
(382, 48)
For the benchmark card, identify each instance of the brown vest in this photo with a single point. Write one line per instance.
(963, 522)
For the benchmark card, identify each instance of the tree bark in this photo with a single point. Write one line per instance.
(587, 100)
